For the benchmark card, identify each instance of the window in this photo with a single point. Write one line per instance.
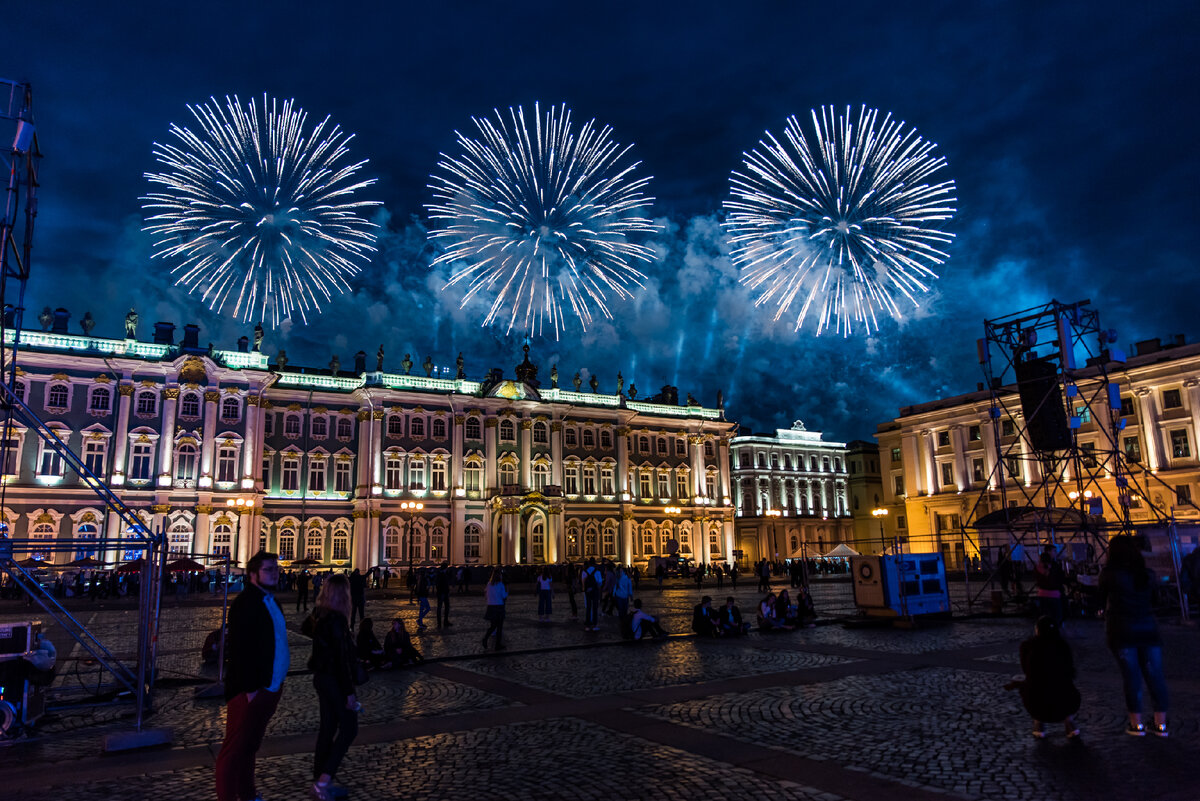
(471, 538)
(473, 428)
(895, 455)
(664, 485)
(787, 461)
(227, 464)
(320, 427)
(147, 402)
(537, 537)
(1171, 399)
(541, 433)
(140, 461)
(179, 538)
(1133, 449)
(439, 428)
(774, 461)
(189, 405)
(508, 431)
(231, 410)
(291, 426)
(589, 542)
(287, 544)
(437, 544)
(1180, 449)
(473, 478)
(644, 485)
(662, 446)
(393, 550)
(186, 457)
(58, 395)
(710, 486)
(901, 522)
(825, 464)
(977, 474)
(291, 475)
(341, 475)
(42, 532)
(269, 424)
(222, 538)
(681, 485)
(316, 475)
(341, 545)
(266, 472)
(609, 541)
(94, 451)
(897, 484)
(714, 542)
(709, 451)
(393, 473)
(416, 474)
(437, 477)
(589, 438)
(19, 389)
(1013, 465)
(416, 428)
(1127, 406)
(1183, 494)
(644, 444)
(570, 437)
(51, 463)
(314, 545)
(99, 400)
(344, 428)
(541, 476)
(589, 480)
(680, 446)
(606, 441)
(571, 479)
(395, 425)
(762, 461)
(943, 439)
(607, 485)
(1087, 452)
(974, 434)
(1008, 428)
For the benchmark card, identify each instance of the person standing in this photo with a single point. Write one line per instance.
(622, 591)
(358, 596)
(592, 579)
(1132, 632)
(334, 666)
(1050, 579)
(442, 586)
(573, 590)
(494, 594)
(302, 582)
(545, 596)
(257, 661)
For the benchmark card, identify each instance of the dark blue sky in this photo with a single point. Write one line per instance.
(1070, 130)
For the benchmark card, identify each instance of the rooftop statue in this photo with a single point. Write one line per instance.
(87, 323)
(554, 376)
(379, 360)
(335, 364)
(407, 364)
(428, 365)
(131, 321)
(258, 337)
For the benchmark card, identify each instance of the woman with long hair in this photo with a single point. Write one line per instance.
(333, 663)
(495, 593)
(1132, 632)
(1048, 690)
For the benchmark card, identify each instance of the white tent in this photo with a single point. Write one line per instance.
(843, 551)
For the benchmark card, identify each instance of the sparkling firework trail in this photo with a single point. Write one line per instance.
(539, 219)
(842, 222)
(256, 211)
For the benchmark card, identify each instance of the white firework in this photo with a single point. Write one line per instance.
(257, 210)
(842, 222)
(539, 219)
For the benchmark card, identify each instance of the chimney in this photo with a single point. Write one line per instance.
(243, 344)
(360, 362)
(164, 333)
(191, 337)
(1148, 346)
(61, 318)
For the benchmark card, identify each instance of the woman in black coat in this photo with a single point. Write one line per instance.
(1048, 690)
(334, 666)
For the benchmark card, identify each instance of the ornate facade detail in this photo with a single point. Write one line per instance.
(171, 393)
(212, 396)
(125, 389)
(160, 508)
(204, 508)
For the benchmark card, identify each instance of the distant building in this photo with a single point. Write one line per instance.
(865, 488)
(798, 475)
(229, 454)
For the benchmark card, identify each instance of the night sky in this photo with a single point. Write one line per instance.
(1070, 129)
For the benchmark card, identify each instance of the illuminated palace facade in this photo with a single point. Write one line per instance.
(939, 459)
(228, 454)
(790, 491)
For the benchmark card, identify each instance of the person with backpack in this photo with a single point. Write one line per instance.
(593, 580)
(1050, 580)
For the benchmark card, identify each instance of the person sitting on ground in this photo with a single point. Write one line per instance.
(398, 649)
(731, 619)
(785, 609)
(1048, 690)
(643, 623)
(806, 613)
(704, 619)
(367, 646)
(768, 616)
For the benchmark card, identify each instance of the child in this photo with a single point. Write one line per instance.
(1048, 690)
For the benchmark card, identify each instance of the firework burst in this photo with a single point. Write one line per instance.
(537, 215)
(256, 210)
(842, 222)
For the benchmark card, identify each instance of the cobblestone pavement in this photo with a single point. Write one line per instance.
(831, 712)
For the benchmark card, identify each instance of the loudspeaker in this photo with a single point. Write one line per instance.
(1042, 403)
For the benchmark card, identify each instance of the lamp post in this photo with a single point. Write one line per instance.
(879, 514)
(410, 508)
(239, 506)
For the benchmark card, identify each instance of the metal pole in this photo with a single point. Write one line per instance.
(224, 623)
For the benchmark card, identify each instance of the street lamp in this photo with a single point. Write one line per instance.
(774, 515)
(411, 508)
(879, 514)
(239, 506)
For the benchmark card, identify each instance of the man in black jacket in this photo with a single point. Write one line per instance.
(442, 585)
(256, 664)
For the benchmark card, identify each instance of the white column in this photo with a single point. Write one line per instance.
(250, 442)
(376, 445)
(700, 533)
(211, 399)
(365, 462)
(914, 470)
(167, 451)
(723, 469)
(1149, 425)
(991, 458)
(697, 465)
(627, 536)
(552, 535)
(489, 454)
(525, 474)
(623, 464)
(958, 437)
(121, 439)
(456, 457)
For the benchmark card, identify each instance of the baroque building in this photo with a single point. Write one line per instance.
(790, 491)
(227, 454)
(940, 460)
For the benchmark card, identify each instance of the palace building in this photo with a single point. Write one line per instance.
(228, 454)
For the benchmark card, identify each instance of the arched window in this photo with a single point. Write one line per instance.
(473, 430)
(591, 542)
(84, 535)
(395, 425)
(341, 544)
(147, 402)
(541, 433)
(140, 458)
(287, 543)
(179, 539)
(508, 431)
(644, 444)
(589, 438)
(42, 532)
(471, 539)
(416, 427)
(537, 541)
(19, 389)
(648, 540)
(439, 428)
(393, 473)
(573, 540)
(605, 438)
(541, 476)
(437, 544)
(416, 474)
(508, 475)
(186, 457)
(222, 538)
(99, 400)
(393, 551)
(344, 428)
(320, 427)
(662, 445)
(714, 541)
(609, 540)
(230, 409)
(57, 397)
(709, 452)
(291, 425)
(570, 437)
(189, 405)
(314, 542)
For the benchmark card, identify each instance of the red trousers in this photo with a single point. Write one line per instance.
(245, 724)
